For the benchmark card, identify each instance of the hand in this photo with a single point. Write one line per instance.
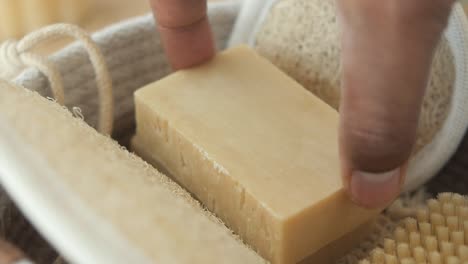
(387, 53)
(185, 31)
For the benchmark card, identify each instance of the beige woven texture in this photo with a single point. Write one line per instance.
(308, 49)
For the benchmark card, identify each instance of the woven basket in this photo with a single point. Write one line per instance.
(135, 57)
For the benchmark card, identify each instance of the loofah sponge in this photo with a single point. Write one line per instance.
(307, 47)
(438, 234)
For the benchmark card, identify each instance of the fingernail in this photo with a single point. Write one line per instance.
(374, 190)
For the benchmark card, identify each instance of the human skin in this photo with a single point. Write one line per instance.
(9, 254)
(388, 48)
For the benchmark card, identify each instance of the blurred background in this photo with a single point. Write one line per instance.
(18, 17)
(21, 16)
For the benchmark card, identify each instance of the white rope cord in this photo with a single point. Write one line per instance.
(15, 57)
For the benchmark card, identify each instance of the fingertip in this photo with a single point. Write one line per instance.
(185, 31)
(188, 46)
(375, 190)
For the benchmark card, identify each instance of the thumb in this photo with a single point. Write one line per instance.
(387, 53)
(185, 31)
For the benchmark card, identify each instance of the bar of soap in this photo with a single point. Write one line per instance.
(255, 148)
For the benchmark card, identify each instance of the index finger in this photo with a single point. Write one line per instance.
(185, 31)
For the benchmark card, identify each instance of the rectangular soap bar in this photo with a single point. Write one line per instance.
(255, 148)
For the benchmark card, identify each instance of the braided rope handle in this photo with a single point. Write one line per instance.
(15, 56)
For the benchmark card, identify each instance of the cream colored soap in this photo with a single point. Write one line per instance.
(255, 147)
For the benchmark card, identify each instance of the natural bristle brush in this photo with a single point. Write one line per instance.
(437, 235)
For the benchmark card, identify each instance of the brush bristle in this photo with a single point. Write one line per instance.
(437, 235)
